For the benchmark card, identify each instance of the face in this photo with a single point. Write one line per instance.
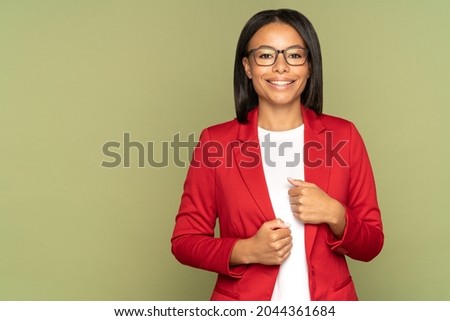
(281, 84)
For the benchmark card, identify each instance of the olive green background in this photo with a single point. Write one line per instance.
(75, 75)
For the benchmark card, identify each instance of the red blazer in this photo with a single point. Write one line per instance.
(226, 181)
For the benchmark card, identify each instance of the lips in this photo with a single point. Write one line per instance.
(280, 83)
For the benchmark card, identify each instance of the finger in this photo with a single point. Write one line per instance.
(299, 183)
(300, 216)
(295, 191)
(286, 250)
(281, 234)
(295, 182)
(295, 208)
(277, 224)
(283, 244)
(282, 255)
(289, 246)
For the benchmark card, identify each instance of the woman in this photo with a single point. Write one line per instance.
(292, 188)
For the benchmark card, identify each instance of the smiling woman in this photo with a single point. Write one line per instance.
(84, 83)
(287, 224)
(276, 81)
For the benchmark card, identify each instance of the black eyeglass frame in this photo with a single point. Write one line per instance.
(252, 51)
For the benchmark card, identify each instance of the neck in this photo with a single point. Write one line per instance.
(280, 119)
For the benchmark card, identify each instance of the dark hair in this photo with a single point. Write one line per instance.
(245, 97)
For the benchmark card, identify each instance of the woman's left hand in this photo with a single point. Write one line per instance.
(312, 205)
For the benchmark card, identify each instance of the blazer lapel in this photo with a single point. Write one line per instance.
(249, 162)
(316, 172)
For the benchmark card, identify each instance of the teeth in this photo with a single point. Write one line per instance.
(280, 82)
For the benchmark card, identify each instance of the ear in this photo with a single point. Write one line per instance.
(309, 70)
(247, 68)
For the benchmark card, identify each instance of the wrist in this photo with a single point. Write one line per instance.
(241, 253)
(337, 219)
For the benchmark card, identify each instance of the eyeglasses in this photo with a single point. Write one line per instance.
(266, 56)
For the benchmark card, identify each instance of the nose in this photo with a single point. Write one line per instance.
(280, 64)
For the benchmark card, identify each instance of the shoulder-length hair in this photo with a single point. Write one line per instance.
(245, 97)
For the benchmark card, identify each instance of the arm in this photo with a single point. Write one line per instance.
(356, 228)
(193, 241)
(363, 236)
(271, 245)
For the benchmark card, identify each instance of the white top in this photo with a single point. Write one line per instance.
(282, 157)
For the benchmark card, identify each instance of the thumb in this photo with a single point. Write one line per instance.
(295, 182)
(277, 223)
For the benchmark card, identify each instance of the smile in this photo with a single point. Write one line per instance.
(281, 83)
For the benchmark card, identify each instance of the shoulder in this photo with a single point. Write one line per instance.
(338, 125)
(343, 130)
(327, 122)
(335, 122)
(222, 131)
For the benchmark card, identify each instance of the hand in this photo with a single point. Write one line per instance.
(312, 205)
(271, 245)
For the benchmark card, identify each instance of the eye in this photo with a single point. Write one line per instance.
(297, 54)
(265, 55)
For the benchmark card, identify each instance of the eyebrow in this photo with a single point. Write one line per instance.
(267, 46)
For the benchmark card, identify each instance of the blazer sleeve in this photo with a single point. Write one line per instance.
(193, 240)
(363, 235)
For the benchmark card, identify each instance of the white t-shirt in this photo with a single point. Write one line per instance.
(282, 157)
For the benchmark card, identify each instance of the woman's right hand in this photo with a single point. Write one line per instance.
(271, 245)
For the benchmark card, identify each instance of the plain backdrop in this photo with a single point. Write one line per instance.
(75, 75)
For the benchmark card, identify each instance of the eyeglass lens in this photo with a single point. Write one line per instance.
(267, 56)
